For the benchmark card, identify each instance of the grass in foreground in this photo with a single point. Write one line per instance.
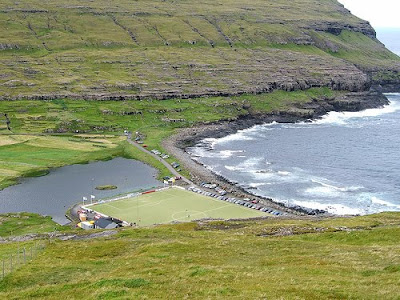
(173, 205)
(16, 224)
(343, 258)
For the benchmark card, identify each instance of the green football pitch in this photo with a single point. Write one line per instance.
(173, 204)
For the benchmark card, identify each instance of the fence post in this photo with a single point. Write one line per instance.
(17, 258)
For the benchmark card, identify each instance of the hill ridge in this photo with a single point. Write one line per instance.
(162, 49)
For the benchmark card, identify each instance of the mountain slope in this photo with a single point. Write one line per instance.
(338, 258)
(161, 49)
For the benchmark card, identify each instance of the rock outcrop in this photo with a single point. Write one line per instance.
(163, 49)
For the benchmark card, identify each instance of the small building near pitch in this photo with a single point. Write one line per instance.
(106, 223)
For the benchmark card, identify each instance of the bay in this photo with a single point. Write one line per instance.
(345, 163)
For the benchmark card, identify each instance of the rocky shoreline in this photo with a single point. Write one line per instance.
(188, 137)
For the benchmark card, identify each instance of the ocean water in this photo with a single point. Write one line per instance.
(390, 37)
(344, 163)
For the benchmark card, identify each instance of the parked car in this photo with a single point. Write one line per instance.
(175, 165)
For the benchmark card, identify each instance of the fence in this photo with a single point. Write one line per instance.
(11, 262)
(121, 197)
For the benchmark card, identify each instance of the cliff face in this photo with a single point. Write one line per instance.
(163, 49)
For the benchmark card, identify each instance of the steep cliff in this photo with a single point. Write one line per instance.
(162, 49)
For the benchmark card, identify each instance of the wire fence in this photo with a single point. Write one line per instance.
(23, 255)
(117, 197)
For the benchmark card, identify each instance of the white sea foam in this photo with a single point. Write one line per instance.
(239, 136)
(380, 202)
(262, 176)
(275, 176)
(338, 118)
(205, 152)
(284, 173)
(251, 165)
(229, 153)
(257, 184)
(305, 188)
(333, 208)
(300, 125)
(342, 118)
(199, 152)
(377, 205)
(322, 191)
(326, 190)
(341, 189)
(209, 143)
(234, 168)
(248, 134)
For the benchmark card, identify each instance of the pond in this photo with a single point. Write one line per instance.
(54, 193)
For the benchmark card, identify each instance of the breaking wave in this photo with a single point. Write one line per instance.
(336, 188)
(342, 118)
(307, 167)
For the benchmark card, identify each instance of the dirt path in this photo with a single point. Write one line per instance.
(164, 162)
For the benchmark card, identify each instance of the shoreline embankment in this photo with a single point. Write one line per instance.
(188, 137)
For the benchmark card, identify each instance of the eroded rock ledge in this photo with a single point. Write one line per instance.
(305, 112)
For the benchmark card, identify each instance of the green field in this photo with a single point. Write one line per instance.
(173, 205)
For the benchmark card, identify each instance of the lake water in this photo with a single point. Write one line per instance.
(345, 163)
(53, 194)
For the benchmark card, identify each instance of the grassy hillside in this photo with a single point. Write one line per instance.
(20, 224)
(158, 49)
(44, 132)
(351, 258)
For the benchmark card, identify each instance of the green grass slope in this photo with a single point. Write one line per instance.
(18, 224)
(159, 49)
(338, 258)
(44, 132)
